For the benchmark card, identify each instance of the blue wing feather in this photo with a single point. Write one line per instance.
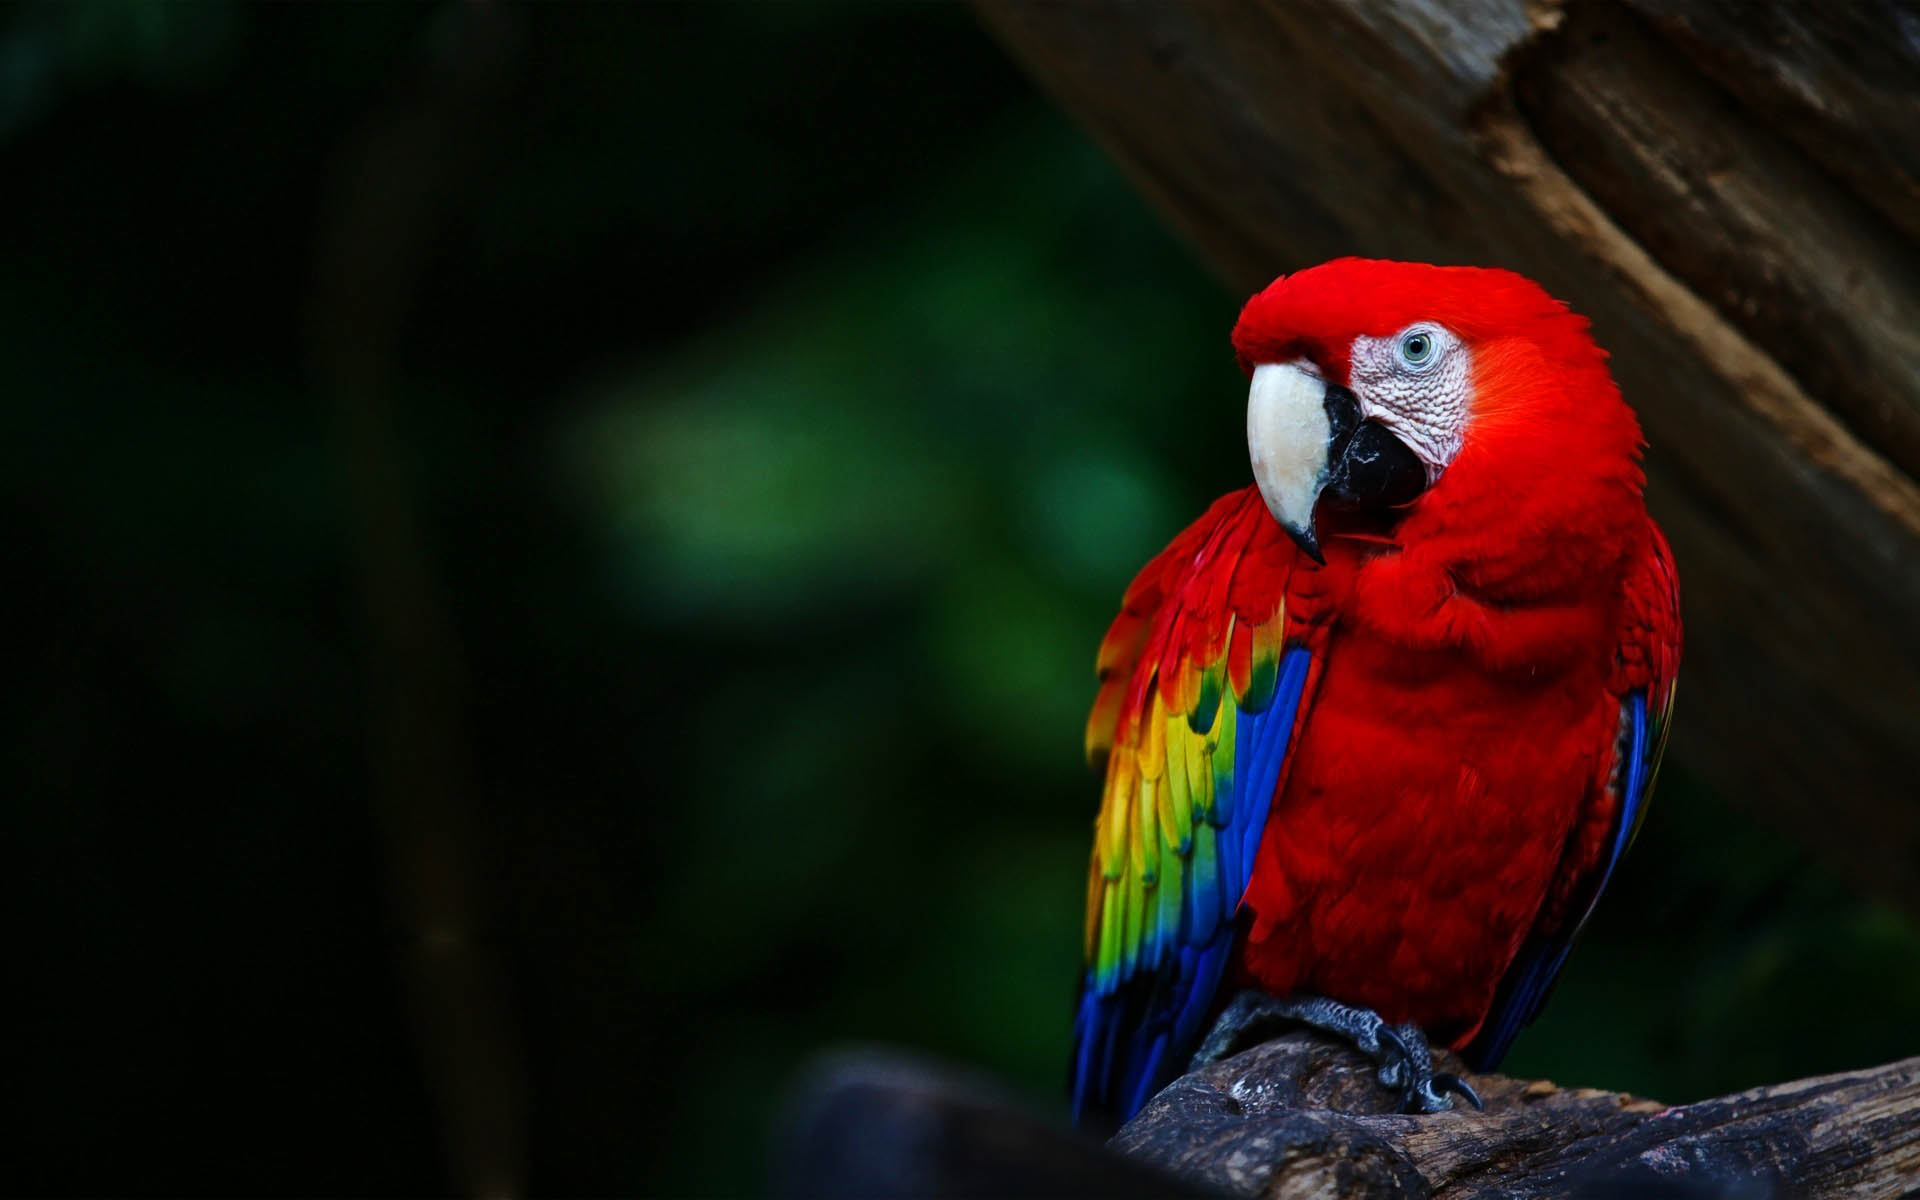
(1530, 978)
(1130, 1041)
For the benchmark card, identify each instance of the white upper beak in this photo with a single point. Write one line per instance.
(1287, 436)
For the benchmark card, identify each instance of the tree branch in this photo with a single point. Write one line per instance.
(1302, 1117)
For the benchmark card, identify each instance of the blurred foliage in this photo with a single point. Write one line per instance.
(791, 394)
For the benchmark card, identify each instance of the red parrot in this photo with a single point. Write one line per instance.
(1377, 729)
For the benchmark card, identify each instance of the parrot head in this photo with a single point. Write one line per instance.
(1382, 388)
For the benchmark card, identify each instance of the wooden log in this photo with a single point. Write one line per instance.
(1301, 1117)
(1730, 197)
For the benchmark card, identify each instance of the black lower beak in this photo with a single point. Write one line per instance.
(1368, 468)
(1374, 470)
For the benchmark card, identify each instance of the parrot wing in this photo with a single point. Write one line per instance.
(1647, 662)
(1197, 703)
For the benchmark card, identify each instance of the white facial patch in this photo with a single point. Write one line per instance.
(1419, 384)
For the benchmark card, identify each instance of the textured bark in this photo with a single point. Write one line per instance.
(1300, 1117)
(1727, 189)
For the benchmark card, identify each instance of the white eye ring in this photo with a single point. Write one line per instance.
(1419, 348)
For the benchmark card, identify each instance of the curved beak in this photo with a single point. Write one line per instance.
(1291, 430)
(1306, 437)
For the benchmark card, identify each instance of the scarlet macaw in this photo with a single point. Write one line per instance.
(1377, 729)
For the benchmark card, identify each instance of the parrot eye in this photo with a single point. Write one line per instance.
(1417, 348)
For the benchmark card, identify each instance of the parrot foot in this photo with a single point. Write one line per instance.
(1405, 1058)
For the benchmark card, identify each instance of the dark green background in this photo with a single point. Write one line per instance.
(788, 394)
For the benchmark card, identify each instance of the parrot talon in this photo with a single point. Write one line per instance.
(1404, 1057)
(1409, 1068)
(1250, 1018)
(1447, 1081)
(1395, 1057)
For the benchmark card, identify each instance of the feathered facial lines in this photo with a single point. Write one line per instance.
(1419, 384)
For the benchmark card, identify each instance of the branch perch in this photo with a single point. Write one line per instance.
(1302, 1117)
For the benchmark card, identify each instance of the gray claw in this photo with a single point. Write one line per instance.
(1409, 1068)
(1394, 1055)
(1449, 1082)
(1247, 1018)
(1405, 1060)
